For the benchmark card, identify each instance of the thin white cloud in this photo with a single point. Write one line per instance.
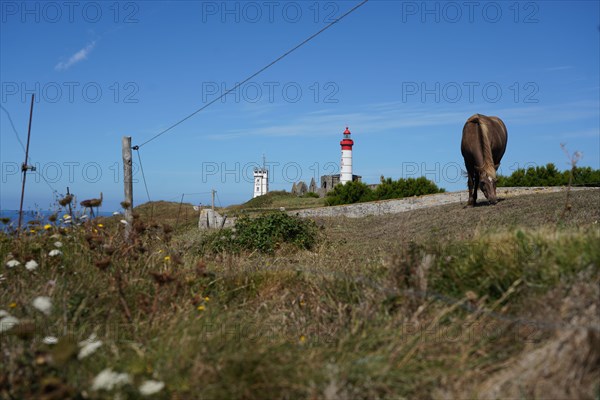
(394, 116)
(75, 58)
(372, 119)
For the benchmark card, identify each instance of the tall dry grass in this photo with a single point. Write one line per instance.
(427, 318)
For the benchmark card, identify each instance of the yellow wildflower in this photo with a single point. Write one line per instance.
(201, 308)
(167, 258)
(207, 298)
(100, 226)
(47, 226)
(12, 305)
(302, 339)
(32, 231)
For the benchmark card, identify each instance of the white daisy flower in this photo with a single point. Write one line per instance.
(7, 322)
(57, 244)
(88, 349)
(31, 265)
(151, 387)
(124, 222)
(108, 380)
(12, 263)
(43, 304)
(50, 340)
(54, 253)
(90, 339)
(88, 346)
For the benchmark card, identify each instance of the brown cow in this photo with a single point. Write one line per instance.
(483, 145)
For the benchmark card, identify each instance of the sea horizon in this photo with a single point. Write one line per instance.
(41, 216)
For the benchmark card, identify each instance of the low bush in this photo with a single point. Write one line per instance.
(351, 192)
(389, 189)
(549, 175)
(358, 192)
(264, 234)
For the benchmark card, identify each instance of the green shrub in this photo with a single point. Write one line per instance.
(351, 192)
(358, 192)
(389, 189)
(265, 234)
(548, 175)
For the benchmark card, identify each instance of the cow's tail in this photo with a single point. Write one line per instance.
(486, 146)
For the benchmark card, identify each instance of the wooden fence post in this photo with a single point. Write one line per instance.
(128, 182)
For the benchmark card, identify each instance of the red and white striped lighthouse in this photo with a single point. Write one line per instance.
(346, 164)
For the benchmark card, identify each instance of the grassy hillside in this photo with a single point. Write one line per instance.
(166, 212)
(447, 302)
(274, 201)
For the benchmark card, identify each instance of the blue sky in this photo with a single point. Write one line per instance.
(404, 76)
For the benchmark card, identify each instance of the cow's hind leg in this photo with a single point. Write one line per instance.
(475, 188)
(471, 184)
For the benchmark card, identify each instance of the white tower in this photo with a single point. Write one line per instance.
(261, 180)
(346, 164)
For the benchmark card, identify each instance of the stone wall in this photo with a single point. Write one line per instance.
(359, 210)
(210, 219)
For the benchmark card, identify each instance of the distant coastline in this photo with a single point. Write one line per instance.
(37, 215)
